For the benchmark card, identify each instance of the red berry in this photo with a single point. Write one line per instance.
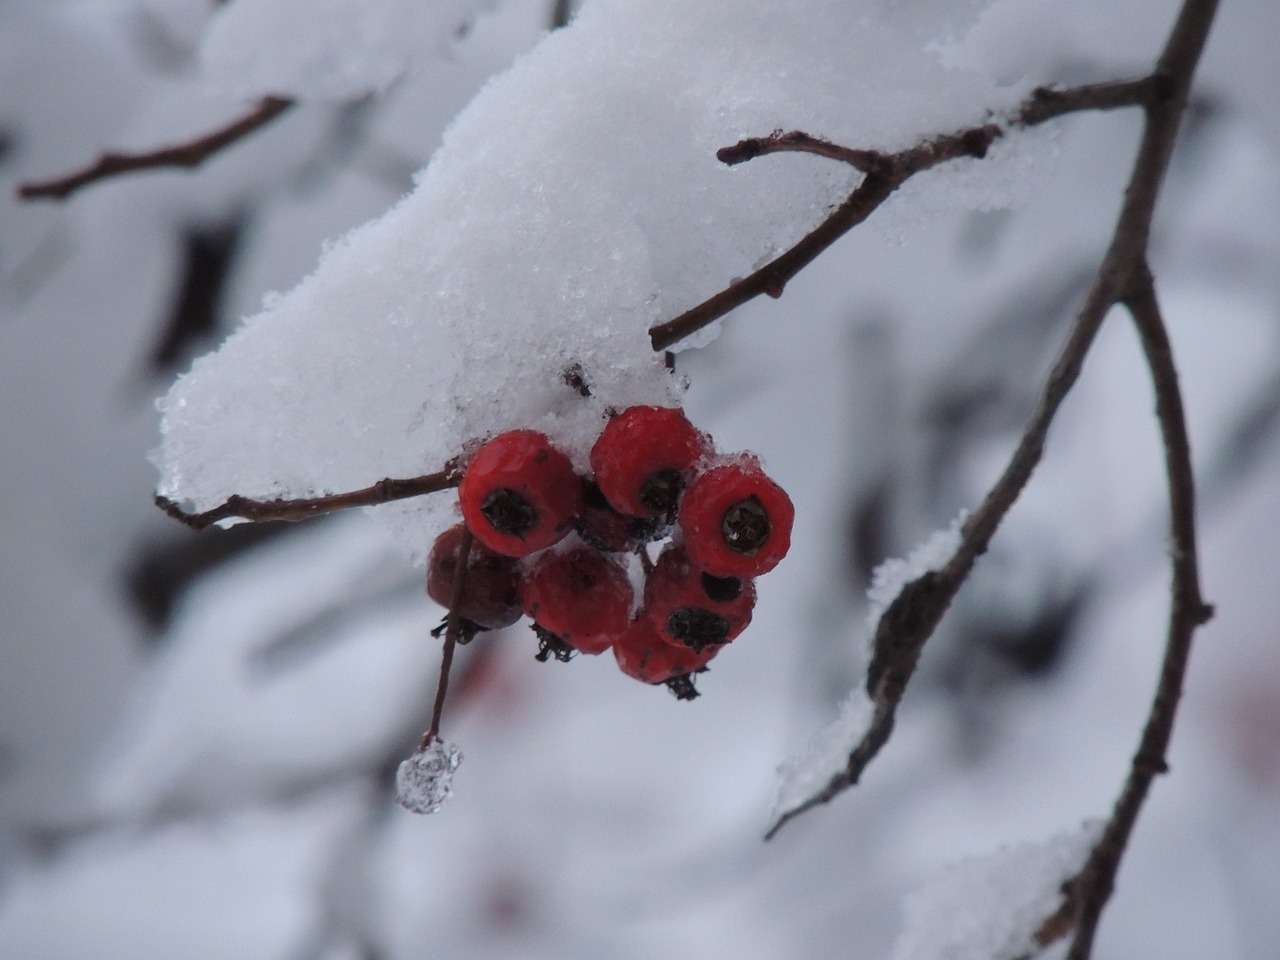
(489, 592)
(644, 654)
(644, 457)
(606, 529)
(736, 521)
(580, 595)
(519, 493)
(691, 607)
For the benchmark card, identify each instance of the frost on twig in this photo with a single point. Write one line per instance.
(862, 714)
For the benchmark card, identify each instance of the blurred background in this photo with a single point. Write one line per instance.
(198, 732)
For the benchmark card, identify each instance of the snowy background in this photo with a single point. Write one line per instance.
(198, 733)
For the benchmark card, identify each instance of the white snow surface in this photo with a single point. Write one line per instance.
(802, 776)
(990, 907)
(326, 49)
(576, 202)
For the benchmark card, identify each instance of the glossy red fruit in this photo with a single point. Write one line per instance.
(489, 592)
(644, 654)
(519, 493)
(736, 521)
(580, 595)
(644, 458)
(691, 607)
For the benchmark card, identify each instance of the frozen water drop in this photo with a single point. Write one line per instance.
(425, 781)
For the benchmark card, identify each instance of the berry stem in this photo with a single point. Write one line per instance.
(451, 635)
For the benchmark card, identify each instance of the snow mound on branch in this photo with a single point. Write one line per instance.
(827, 752)
(991, 907)
(326, 49)
(576, 202)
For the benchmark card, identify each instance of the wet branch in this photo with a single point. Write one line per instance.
(189, 154)
(1122, 278)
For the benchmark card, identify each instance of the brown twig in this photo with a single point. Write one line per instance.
(1087, 893)
(189, 154)
(451, 634)
(885, 172)
(1122, 277)
(384, 491)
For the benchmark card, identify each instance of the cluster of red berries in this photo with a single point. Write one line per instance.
(654, 477)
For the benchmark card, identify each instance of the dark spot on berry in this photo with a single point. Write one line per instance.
(746, 526)
(549, 645)
(697, 628)
(541, 456)
(682, 686)
(661, 489)
(510, 513)
(721, 589)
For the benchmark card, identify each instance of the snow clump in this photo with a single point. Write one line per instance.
(991, 907)
(575, 203)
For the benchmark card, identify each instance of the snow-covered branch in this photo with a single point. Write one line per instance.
(292, 509)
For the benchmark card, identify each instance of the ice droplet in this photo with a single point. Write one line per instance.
(425, 781)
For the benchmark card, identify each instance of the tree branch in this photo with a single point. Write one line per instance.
(292, 510)
(1122, 277)
(885, 172)
(190, 154)
(1088, 892)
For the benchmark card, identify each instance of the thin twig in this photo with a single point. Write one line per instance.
(189, 154)
(451, 634)
(885, 172)
(384, 491)
(1121, 277)
(1089, 891)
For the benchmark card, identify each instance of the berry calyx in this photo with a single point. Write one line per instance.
(519, 494)
(580, 595)
(643, 653)
(644, 457)
(488, 599)
(736, 521)
(693, 608)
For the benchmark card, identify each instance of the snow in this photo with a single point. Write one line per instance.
(600, 817)
(888, 579)
(425, 781)
(990, 907)
(326, 49)
(576, 202)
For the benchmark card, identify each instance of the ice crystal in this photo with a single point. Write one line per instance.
(425, 781)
